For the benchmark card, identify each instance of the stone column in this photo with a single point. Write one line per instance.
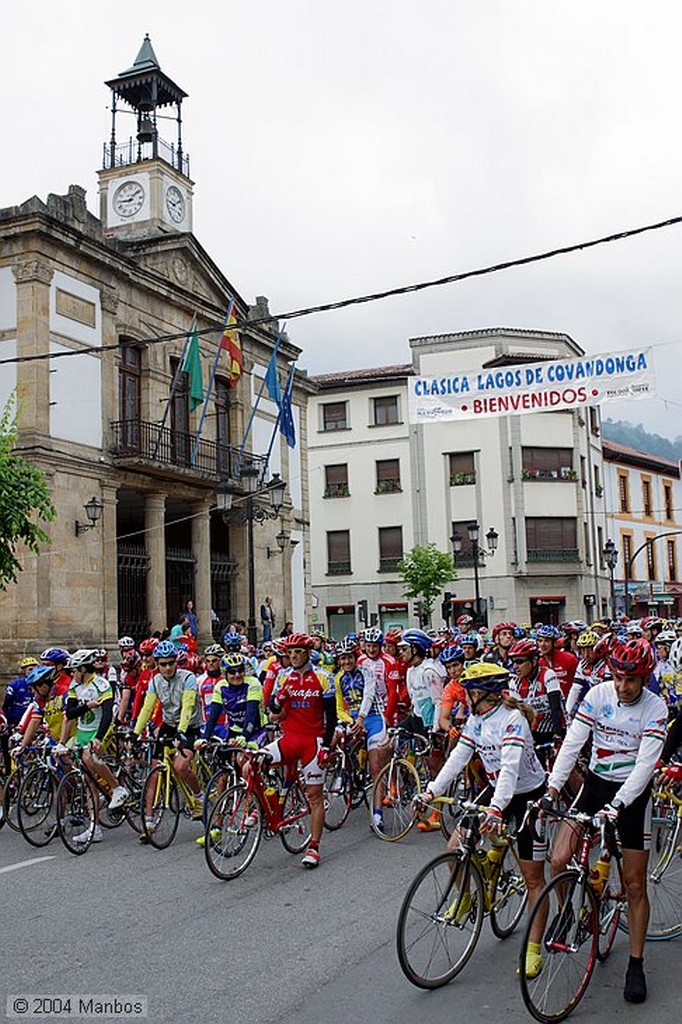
(201, 549)
(155, 526)
(109, 564)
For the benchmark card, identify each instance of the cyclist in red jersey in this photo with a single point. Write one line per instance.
(280, 664)
(391, 641)
(563, 663)
(304, 704)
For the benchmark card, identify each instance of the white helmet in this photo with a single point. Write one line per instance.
(666, 636)
(675, 656)
(126, 643)
(83, 658)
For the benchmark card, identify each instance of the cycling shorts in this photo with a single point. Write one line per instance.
(293, 749)
(375, 727)
(527, 847)
(634, 822)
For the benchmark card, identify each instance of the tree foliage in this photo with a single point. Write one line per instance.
(425, 571)
(635, 436)
(24, 498)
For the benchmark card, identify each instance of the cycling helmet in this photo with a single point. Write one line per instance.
(193, 663)
(298, 640)
(634, 628)
(126, 643)
(279, 648)
(501, 626)
(652, 622)
(547, 632)
(102, 654)
(602, 647)
(471, 638)
(84, 658)
(28, 663)
(347, 646)
(587, 639)
(600, 627)
(165, 649)
(182, 656)
(416, 638)
(373, 635)
(667, 637)
(233, 662)
(131, 661)
(55, 655)
(464, 621)
(675, 656)
(148, 646)
(520, 632)
(232, 641)
(214, 651)
(484, 675)
(451, 653)
(633, 656)
(40, 674)
(525, 648)
(393, 636)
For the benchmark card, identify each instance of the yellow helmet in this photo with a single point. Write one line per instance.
(588, 638)
(28, 663)
(485, 675)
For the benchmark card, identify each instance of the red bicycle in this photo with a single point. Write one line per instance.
(261, 803)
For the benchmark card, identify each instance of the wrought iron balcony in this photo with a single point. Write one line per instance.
(550, 555)
(124, 154)
(141, 443)
(389, 564)
(338, 569)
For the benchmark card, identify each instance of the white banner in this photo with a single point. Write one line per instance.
(534, 387)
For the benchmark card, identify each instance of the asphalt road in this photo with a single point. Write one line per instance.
(279, 944)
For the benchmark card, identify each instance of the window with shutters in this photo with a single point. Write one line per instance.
(338, 552)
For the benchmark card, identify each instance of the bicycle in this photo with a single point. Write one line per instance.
(166, 795)
(257, 805)
(442, 912)
(37, 799)
(12, 784)
(397, 784)
(346, 778)
(579, 917)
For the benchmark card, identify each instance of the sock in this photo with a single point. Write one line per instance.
(534, 947)
(314, 844)
(635, 982)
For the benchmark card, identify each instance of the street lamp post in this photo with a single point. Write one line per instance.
(611, 558)
(251, 512)
(492, 537)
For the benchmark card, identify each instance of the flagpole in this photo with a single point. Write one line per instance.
(276, 426)
(256, 404)
(211, 382)
(174, 384)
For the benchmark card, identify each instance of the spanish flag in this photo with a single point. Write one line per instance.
(233, 346)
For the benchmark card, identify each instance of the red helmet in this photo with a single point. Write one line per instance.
(297, 640)
(633, 656)
(393, 636)
(464, 621)
(602, 648)
(511, 626)
(651, 622)
(182, 656)
(148, 646)
(194, 663)
(526, 648)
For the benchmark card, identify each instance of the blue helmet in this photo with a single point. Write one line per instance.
(40, 674)
(373, 635)
(232, 641)
(166, 649)
(416, 638)
(451, 653)
(57, 655)
(547, 632)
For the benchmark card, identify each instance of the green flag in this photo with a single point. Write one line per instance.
(192, 366)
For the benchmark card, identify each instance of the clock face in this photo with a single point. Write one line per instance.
(175, 204)
(128, 198)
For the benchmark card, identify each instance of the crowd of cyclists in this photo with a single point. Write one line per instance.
(529, 701)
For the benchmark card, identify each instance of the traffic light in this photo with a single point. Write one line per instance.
(446, 607)
(417, 611)
(362, 611)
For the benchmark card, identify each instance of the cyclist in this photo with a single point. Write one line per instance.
(281, 665)
(498, 729)
(304, 703)
(562, 663)
(453, 708)
(207, 683)
(238, 700)
(148, 670)
(44, 712)
(90, 702)
(385, 671)
(537, 686)
(663, 675)
(651, 627)
(471, 645)
(424, 684)
(58, 658)
(131, 670)
(391, 641)
(357, 683)
(18, 694)
(627, 724)
(175, 689)
(503, 638)
(583, 678)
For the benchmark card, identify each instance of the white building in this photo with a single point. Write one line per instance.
(379, 485)
(644, 495)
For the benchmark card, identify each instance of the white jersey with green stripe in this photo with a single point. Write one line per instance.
(503, 739)
(98, 688)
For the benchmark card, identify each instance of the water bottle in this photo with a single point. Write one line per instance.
(599, 875)
(271, 801)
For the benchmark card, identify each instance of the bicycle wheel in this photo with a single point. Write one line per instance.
(665, 879)
(133, 780)
(451, 814)
(10, 800)
(76, 819)
(612, 904)
(36, 806)
(233, 832)
(440, 920)
(566, 915)
(361, 780)
(509, 895)
(337, 796)
(160, 807)
(398, 784)
(295, 837)
(221, 780)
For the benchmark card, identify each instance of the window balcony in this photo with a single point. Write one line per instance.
(465, 560)
(389, 564)
(338, 569)
(389, 486)
(551, 555)
(137, 443)
(564, 473)
(462, 479)
(337, 491)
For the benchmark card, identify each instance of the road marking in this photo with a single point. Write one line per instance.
(26, 863)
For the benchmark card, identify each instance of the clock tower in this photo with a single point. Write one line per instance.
(145, 188)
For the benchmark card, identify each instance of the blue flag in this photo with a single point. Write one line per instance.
(272, 378)
(286, 415)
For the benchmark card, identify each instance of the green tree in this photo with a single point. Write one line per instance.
(24, 498)
(425, 571)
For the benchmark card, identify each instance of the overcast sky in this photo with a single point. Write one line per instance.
(342, 148)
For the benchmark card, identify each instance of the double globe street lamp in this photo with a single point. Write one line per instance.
(492, 537)
(246, 486)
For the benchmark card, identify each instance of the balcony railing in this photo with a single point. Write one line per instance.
(389, 486)
(549, 555)
(148, 443)
(338, 569)
(564, 473)
(389, 564)
(133, 152)
(465, 560)
(462, 479)
(337, 491)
